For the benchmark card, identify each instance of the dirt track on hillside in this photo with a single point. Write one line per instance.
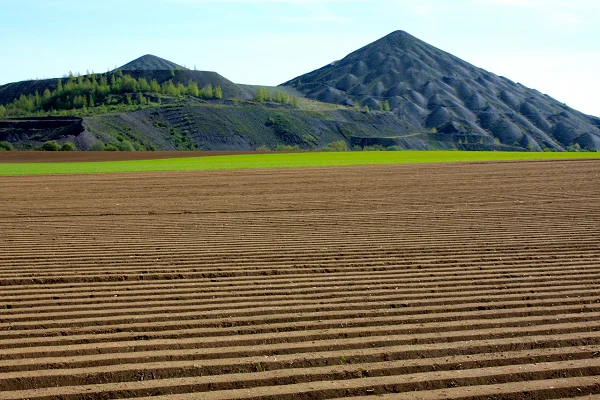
(468, 281)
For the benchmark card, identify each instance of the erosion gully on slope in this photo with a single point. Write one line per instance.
(437, 281)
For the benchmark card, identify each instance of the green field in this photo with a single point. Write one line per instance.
(278, 160)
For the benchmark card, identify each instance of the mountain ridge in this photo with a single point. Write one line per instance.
(432, 89)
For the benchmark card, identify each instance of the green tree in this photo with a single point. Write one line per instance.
(116, 84)
(2, 111)
(169, 89)
(281, 97)
(154, 86)
(37, 102)
(294, 101)
(79, 102)
(261, 95)
(6, 146)
(26, 103)
(340, 145)
(103, 87)
(385, 106)
(50, 145)
(125, 145)
(46, 98)
(192, 89)
(129, 84)
(574, 148)
(278, 96)
(180, 89)
(68, 146)
(139, 99)
(218, 92)
(143, 85)
(207, 92)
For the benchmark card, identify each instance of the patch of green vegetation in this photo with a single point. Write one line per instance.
(278, 160)
(181, 139)
(68, 146)
(50, 145)
(6, 146)
(264, 95)
(291, 130)
(338, 145)
(96, 94)
(122, 145)
(287, 147)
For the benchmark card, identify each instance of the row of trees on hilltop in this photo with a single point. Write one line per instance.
(93, 90)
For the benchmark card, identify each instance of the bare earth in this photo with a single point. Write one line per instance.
(463, 281)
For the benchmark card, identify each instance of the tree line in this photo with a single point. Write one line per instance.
(92, 90)
(263, 95)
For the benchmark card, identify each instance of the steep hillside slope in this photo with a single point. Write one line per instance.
(431, 89)
(150, 63)
(251, 126)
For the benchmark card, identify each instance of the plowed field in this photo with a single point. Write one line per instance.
(437, 281)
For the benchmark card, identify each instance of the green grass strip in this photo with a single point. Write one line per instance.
(278, 160)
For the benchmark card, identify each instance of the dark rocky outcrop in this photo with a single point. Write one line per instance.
(31, 132)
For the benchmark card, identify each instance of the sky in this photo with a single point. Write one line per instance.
(549, 45)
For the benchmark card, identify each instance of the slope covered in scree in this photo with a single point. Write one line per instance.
(434, 90)
(150, 63)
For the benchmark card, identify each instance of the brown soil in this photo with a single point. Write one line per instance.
(77, 156)
(463, 281)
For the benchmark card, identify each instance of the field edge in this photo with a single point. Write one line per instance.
(277, 160)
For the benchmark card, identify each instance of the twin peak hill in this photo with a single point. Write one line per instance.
(429, 99)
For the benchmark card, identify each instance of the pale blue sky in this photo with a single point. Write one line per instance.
(550, 45)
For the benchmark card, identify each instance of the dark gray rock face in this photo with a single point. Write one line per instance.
(431, 89)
